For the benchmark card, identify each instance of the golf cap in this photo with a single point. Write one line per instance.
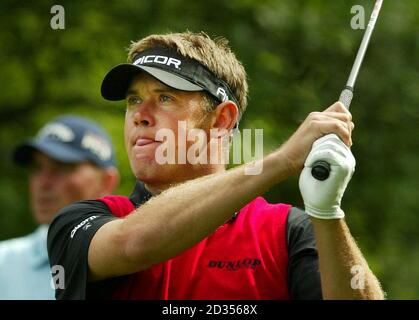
(69, 139)
(170, 68)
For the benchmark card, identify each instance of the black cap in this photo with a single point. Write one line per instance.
(70, 139)
(169, 67)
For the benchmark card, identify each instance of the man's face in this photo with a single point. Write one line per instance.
(152, 106)
(54, 184)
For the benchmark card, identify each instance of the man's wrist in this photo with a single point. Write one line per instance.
(331, 214)
(285, 165)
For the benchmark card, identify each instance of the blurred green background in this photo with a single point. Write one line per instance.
(298, 54)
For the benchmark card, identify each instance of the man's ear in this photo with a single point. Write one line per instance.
(226, 115)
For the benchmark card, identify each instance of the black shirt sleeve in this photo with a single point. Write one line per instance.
(303, 266)
(69, 237)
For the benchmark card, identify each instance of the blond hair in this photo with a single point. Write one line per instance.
(215, 54)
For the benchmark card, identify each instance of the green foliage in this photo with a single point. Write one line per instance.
(298, 54)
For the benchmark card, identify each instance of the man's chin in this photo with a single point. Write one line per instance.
(146, 176)
(156, 174)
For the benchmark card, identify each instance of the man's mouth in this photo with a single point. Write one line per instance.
(143, 147)
(143, 142)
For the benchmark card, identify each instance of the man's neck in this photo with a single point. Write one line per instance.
(157, 188)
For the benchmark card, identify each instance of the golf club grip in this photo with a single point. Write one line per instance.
(346, 97)
(321, 168)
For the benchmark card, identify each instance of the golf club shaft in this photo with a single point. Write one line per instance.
(321, 169)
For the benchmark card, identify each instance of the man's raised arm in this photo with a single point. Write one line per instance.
(183, 215)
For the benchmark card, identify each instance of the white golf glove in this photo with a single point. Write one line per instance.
(322, 198)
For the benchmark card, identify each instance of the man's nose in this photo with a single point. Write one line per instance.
(143, 115)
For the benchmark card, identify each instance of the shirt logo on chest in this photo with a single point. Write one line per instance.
(234, 265)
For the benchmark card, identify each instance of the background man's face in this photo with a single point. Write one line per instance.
(54, 184)
(152, 106)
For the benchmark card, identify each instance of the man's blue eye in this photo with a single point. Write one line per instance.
(165, 98)
(133, 100)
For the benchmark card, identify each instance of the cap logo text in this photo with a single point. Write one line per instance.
(159, 59)
(57, 131)
(97, 145)
(222, 94)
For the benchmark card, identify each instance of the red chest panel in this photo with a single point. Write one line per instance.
(245, 258)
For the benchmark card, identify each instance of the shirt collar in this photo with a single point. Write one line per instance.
(140, 195)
